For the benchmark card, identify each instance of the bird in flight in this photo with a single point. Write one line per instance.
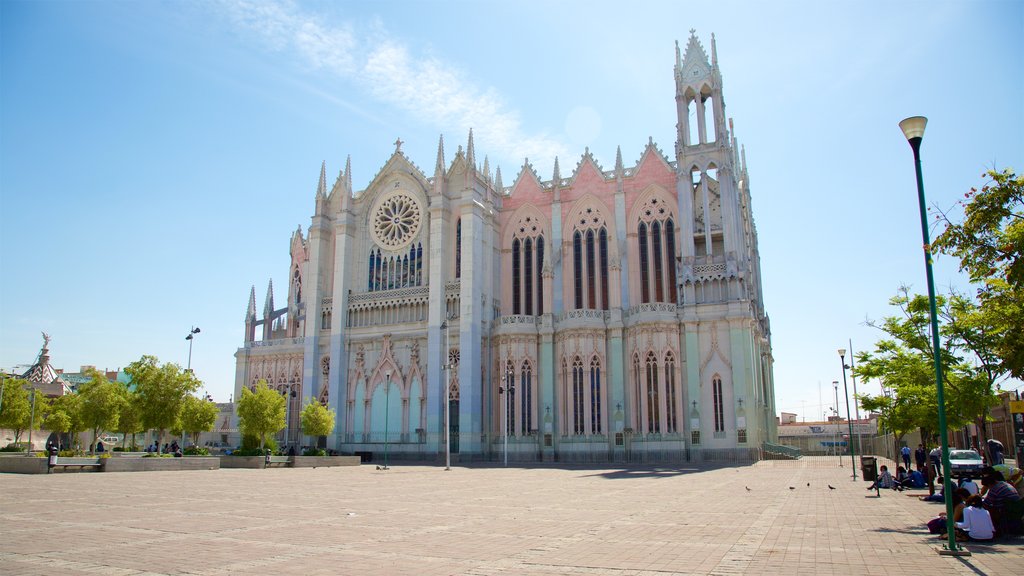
(831, 487)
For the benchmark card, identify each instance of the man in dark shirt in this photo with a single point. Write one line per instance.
(920, 455)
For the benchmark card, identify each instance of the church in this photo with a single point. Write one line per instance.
(600, 316)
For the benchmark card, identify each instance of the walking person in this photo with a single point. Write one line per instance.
(905, 451)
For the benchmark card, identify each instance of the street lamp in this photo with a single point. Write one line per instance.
(856, 405)
(846, 395)
(913, 129)
(191, 333)
(387, 414)
(289, 394)
(446, 371)
(835, 386)
(510, 389)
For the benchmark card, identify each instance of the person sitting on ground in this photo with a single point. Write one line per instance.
(902, 478)
(1000, 498)
(937, 525)
(884, 479)
(968, 483)
(1011, 474)
(916, 479)
(977, 522)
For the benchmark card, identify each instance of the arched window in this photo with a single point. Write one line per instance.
(645, 288)
(577, 260)
(526, 399)
(458, 248)
(603, 247)
(578, 404)
(716, 393)
(591, 284)
(659, 295)
(709, 119)
(515, 277)
(653, 399)
(528, 275)
(671, 411)
(670, 248)
(540, 276)
(595, 396)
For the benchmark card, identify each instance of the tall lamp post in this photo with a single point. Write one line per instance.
(288, 394)
(191, 336)
(506, 391)
(849, 422)
(192, 332)
(856, 405)
(835, 386)
(913, 129)
(446, 371)
(387, 414)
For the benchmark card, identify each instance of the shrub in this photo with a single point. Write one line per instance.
(70, 453)
(15, 447)
(197, 451)
(248, 452)
(314, 452)
(105, 455)
(251, 441)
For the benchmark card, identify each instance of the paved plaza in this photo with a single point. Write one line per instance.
(422, 520)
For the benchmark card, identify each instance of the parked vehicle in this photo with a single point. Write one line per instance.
(965, 463)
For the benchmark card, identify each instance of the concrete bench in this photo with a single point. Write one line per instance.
(279, 461)
(65, 462)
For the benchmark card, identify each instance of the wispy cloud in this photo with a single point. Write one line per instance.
(438, 92)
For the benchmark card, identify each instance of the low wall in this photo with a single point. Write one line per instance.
(21, 464)
(242, 462)
(127, 464)
(324, 461)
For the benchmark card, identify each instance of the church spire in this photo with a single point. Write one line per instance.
(679, 58)
(250, 312)
(619, 171)
(470, 153)
(714, 52)
(487, 169)
(498, 186)
(268, 305)
(348, 173)
(439, 166)
(556, 178)
(321, 187)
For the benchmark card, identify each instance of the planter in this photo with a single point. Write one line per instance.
(128, 464)
(22, 464)
(324, 461)
(242, 462)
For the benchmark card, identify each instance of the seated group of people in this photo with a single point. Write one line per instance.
(903, 479)
(982, 513)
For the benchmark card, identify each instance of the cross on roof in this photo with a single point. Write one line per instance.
(398, 145)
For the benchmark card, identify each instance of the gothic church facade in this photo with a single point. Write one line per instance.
(607, 316)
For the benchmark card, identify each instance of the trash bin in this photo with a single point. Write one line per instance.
(869, 468)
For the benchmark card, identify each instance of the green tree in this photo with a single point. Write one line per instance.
(989, 243)
(101, 405)
(16, 411)
(197, 416)
(317, 420)
(130, 421)
(903, 360)
(67, 413)
(162, 390)
(261, 412)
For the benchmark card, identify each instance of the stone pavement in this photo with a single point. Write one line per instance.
(478, 521)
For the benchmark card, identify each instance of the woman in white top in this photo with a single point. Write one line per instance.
(977, 524)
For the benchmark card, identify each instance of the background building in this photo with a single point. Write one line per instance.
(606, 315)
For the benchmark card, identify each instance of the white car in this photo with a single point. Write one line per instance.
(965, 463)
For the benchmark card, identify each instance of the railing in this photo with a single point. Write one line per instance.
(277, 342)
(779, 452)
(603, 315)
(668, 307)
(388, 296)
(518, 319)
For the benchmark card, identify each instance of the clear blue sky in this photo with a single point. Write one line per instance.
(156, 156)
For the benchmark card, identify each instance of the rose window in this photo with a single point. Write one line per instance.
(396, 220)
